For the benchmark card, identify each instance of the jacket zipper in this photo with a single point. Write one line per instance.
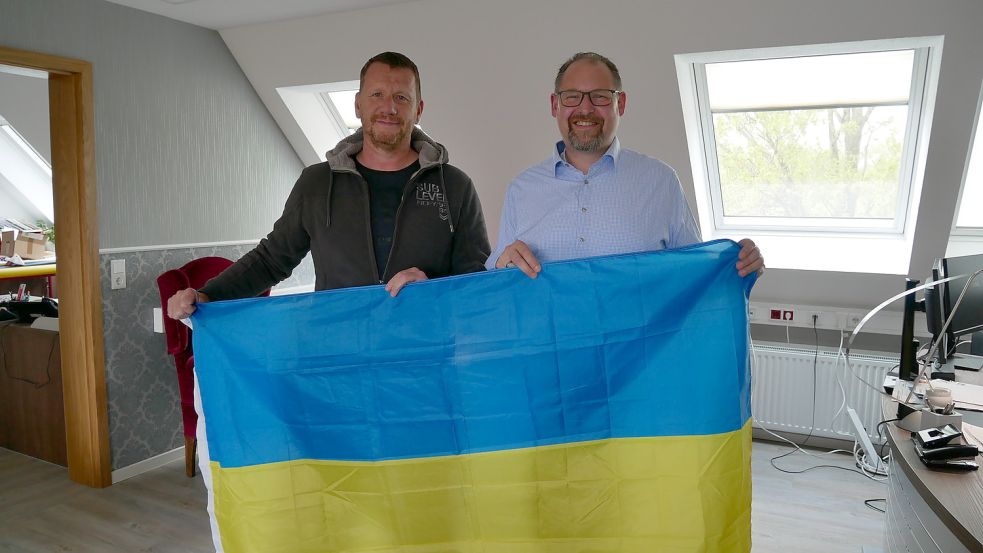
(368, 207)
(402, 200)
(368, 226)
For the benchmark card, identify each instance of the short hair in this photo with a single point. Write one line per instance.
(590, 56)
(394, 60)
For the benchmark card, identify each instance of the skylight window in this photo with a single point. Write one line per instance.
(819, 142)
(324, 112)
(969, 216)
(25, 177)
(343, 104)
(966, 237)
(813, 141)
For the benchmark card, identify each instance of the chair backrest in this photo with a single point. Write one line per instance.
(193, 274)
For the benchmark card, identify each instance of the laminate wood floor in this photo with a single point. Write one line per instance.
(818, 511)
(163, 511)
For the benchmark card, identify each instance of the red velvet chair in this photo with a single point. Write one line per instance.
(194, 274)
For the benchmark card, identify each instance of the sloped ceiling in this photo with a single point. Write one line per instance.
(223, 14)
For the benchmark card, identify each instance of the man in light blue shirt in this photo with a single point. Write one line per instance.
(593, 197)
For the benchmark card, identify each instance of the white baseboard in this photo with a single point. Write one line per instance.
(148, 465)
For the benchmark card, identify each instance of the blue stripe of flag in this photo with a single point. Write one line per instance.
(651, 344)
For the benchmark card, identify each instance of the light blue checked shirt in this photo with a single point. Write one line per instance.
(627, 202)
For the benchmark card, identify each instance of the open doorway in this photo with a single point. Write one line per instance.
(32, 414)
(72, 152)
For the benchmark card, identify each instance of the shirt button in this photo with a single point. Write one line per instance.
(581, 238)
(586, 181)
(583, 209)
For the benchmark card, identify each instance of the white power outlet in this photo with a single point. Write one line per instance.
(117, 274)
(824, 319)
(807, 318)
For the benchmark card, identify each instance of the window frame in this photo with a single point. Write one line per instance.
(324, 95)
(316, 115)
(785, 240)
(919, 80)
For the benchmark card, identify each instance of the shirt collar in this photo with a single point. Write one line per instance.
(613, 152)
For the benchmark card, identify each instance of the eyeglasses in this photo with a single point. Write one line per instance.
(600, 97)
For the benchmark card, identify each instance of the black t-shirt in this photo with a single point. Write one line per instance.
(385, 195)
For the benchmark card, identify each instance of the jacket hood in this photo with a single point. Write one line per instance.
(341, 157)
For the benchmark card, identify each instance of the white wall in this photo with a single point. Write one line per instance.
(24, 104)
(487, 69)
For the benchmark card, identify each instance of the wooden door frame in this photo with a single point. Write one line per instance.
(79, 289)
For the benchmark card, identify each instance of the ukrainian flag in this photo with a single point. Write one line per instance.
(602, 407)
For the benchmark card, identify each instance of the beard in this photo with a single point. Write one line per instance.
(387, 139)
(585, 139)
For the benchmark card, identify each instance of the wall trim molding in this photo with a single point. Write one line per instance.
(148, 465)
(130, 249)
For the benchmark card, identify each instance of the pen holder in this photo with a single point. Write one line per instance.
(931, 419)
(938, 398)
(914, 419)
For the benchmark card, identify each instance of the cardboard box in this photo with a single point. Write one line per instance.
(28, 245)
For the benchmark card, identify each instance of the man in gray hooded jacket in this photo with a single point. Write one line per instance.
(385, 206)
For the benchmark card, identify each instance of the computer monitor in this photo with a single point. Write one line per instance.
(908, 364)
(939, 301)
(934, 312)
(968, 319)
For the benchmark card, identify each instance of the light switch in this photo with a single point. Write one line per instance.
(158, 320)
(117, 273)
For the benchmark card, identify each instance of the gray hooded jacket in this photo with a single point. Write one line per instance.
(440, 228)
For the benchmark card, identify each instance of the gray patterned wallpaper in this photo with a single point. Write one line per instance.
(142, 391)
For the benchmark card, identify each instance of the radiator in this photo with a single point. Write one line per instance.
(782, 390)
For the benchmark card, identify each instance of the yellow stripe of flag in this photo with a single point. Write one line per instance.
(616, 495)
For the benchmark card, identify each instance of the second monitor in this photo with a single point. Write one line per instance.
(967, 317)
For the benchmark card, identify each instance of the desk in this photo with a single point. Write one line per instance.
(43, 273)
(32, 408)
(931, 510)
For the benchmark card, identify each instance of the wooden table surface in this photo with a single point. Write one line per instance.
(956, 497)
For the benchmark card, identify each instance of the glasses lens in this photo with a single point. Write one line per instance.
(601, 97)
(571, 98)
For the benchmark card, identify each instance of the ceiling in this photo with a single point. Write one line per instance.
(222, 14)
